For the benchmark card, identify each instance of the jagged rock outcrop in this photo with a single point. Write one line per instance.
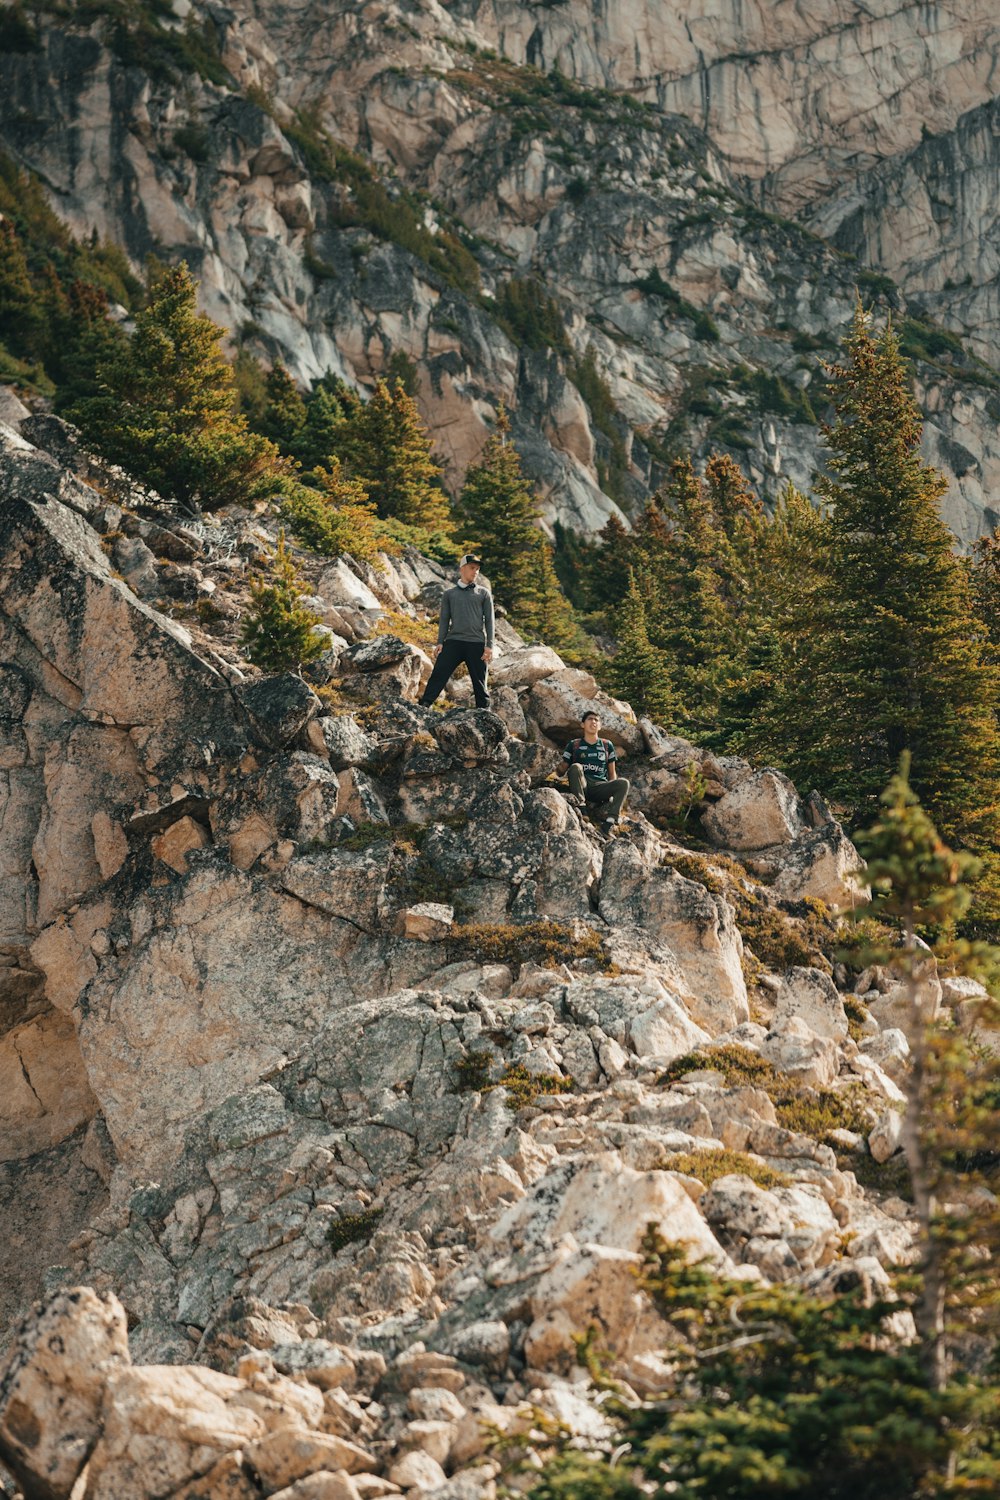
(386, 1051)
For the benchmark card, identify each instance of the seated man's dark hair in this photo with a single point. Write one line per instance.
(590, 714)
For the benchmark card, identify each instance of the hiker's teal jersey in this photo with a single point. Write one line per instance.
(594, 758)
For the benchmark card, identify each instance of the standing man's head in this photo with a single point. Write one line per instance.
(591, 722)
(468, 567)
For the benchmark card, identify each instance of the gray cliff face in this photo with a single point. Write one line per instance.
(631, 209)
(929, 218)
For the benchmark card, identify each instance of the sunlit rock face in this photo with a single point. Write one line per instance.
(873, 128)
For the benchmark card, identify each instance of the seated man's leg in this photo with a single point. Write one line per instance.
(619, 791)
(578, 781)
(449, 658)
(477, 671)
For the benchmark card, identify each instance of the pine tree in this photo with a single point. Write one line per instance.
(951, 1089)
(284, 410)
(165, 408)
(385, 446)
(900, 659)
(692, 614)
(544, 612)
(500, 512)
(637, 671)
(22, 322)
(332, 515)
(608, 568)
(279, 633)
(766, 710)
(317, 442)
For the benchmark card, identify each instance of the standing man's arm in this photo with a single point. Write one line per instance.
(444, 620)
(489, 626)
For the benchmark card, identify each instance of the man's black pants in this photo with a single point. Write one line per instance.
(451, 657)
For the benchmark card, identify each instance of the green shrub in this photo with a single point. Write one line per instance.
(523, 1088)
(805, 1110)
(279, 633)
(532, 318)
(547, 943)
(708, 1166)
(351, 1229)
(194, 141)
(473, 1071)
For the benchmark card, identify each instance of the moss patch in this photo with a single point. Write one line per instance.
(523, 1088)
(546, 943)
(807, 1111)
(708, 1166)
(352, 1229)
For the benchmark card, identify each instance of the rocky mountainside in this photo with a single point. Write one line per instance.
(357, 185)
(345, 1063)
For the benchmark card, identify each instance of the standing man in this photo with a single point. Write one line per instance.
(593, 772)
(465, 633)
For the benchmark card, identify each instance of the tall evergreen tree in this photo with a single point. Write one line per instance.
(385, 445)
(22, 322)
(165, 407)
(767, 709)
(544, 612)
(899, 659)
(608, 569)
(637, 671)
(690, 617)
(499, 510)
(284, 410)
(317, 442)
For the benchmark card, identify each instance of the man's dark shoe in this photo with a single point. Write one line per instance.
(607, 825)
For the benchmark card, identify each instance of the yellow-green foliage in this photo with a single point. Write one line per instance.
(707, 1166)
(806, 936)
(418, 632)
(523, 1088)
(546, 943)
(808, 1111)
(857, 1015)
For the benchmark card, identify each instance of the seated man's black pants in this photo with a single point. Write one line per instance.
(451, 657)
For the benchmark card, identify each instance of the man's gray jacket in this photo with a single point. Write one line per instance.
(466, 615)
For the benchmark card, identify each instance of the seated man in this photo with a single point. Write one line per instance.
(593, 772)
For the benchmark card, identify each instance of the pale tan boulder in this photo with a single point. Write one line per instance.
(558, 701)
(164, 1426)
(325, 1485)
(699, 929)
(592, 1286)
(824, 865)
(813, 997)
(427, 921)
(44, 1091)
(290, 1453)
(761, 810)
(178, 841)
(52, 1388)
(525, 666)
(67, 951)
(231, 978)
(795, 1049)
(886, 1137)
(418, 1473)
